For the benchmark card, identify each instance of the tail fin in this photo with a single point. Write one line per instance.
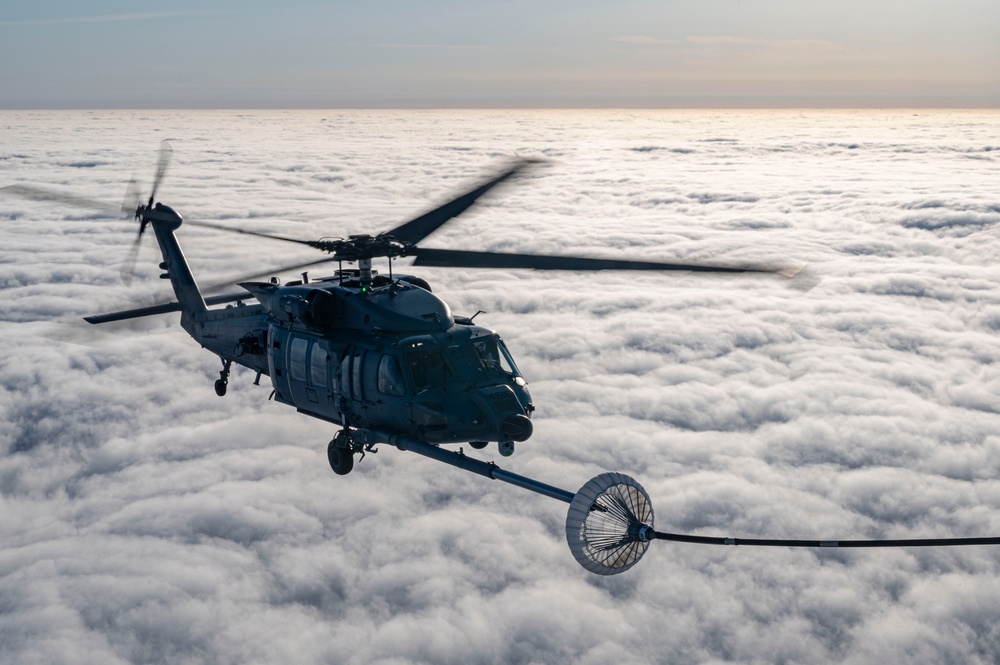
(175, 266)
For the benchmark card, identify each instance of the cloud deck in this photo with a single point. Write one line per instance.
(145, 520)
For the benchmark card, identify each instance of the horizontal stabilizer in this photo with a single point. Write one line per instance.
(163, 308)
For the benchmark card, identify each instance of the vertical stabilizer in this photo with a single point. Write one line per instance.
(165, 221)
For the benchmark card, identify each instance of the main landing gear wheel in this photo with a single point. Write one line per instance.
(340, 456)
(478, 445)
(223, 381)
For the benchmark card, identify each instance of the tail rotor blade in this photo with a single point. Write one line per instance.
(133, 199)
(162, 163)
(127, 270)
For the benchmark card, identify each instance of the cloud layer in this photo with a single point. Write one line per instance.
(145, 520)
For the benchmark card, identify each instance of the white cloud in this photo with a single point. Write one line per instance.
(144, 520)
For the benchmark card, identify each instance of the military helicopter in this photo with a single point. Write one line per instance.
(385, 359)
(358, 349)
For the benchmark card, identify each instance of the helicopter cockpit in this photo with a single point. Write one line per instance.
(467, 372)
(471, 355)
(486, 360)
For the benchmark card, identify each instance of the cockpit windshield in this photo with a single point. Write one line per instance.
(495, 355)
(485, 358)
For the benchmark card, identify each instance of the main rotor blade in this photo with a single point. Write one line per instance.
(234, 229)
(34, 193)
(162, 162)
(419, 228)
(264, 273)
(410, 232)
(451, 258)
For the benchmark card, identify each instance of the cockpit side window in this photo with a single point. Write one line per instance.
(427, 369)
(466, 359)
(390, 378)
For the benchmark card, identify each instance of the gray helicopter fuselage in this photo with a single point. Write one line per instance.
(359, 350)
(389, 356)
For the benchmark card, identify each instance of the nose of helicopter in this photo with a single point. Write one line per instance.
(517, 427)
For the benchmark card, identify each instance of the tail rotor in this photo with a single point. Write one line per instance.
(132, 203)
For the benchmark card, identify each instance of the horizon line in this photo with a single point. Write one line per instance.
(995, 106)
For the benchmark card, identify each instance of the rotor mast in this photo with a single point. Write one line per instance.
(365, 270)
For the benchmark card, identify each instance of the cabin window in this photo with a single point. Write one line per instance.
(356, 376)
(297, 358)
(345, 376)
(390, 379)
(318, 366)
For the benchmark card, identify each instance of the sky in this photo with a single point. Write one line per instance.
(145, 520)
(456, 54)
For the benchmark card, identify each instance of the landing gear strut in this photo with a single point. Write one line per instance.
(223, 381)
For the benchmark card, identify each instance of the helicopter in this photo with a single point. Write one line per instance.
(385, 360)
(358, 349)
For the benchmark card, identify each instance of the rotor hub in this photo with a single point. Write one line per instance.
(362, 246)
(159, 213)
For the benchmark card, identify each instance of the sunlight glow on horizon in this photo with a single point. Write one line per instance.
(389, 54)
